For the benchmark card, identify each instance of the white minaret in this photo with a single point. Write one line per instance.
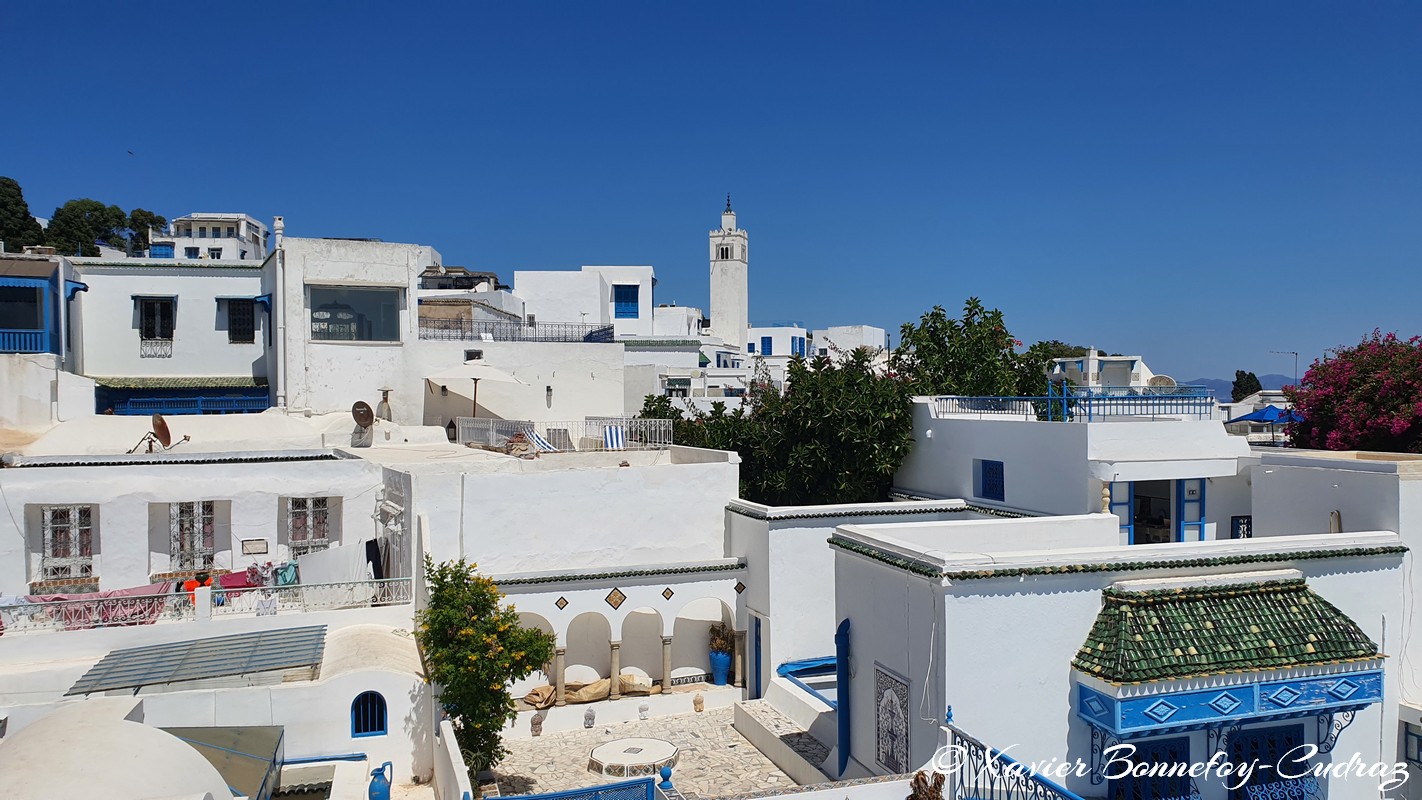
(730, 281)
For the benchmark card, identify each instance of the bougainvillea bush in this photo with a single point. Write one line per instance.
(1367, 397)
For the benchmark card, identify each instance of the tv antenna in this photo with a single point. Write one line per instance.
(160, 436)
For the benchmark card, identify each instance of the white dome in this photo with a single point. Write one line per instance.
(81, 751)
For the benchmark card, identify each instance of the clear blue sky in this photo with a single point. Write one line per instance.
(1196, 182)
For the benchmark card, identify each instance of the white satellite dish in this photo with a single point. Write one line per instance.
(1161, 380)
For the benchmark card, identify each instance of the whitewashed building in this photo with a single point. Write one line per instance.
(211, 237)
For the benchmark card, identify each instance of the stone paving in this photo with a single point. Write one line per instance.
(713, 759)
(785, 729)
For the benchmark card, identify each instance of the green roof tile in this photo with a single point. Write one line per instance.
(180, 382)
(1179, 633)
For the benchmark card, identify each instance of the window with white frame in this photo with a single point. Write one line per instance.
(67, 538)
(193, 531)
(311, 524)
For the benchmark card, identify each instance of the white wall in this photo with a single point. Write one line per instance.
(129, 551)
(326, 375)
(790, 566)
(563, 296)
(779, 339)
(586, 378)
(676, 321)
(1044, 464)
(110, 343)
(849, 337)
(316, 716)
(37, 393)
(606, 516)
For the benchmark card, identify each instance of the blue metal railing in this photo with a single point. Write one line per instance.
(23, 341)
(639, 789)
(1074, 404)
(191, 405)
(980, 772)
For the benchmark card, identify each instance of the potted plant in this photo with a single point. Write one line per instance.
(723, 642)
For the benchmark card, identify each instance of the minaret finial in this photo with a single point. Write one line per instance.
(728, 201)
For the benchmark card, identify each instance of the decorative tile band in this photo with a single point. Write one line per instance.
(921, 568)
(1193, 710)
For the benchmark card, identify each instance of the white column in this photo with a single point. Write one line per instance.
(616, 670)
(559, 657)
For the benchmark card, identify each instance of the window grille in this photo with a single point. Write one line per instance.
(368, 715)
(67, 549)
(993, 487)
(192, 527)
(308, 524)
(241, 321)
(155, 317)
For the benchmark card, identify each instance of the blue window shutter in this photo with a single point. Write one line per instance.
(624, 301)
(750, 347)
(161, 250)
(765, 345)
(991, 479)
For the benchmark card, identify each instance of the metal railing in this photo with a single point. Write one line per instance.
(178, 606)
(1086, 405)
(22, 341)
(155, 348)
(593, 434)
(468, 330)
(979, 772)
(192, 405)
(103, 612)
(263, 601)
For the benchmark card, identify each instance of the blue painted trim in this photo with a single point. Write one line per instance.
(831, 703)
(841, 665)
(72, 288)
(1128, 519)
(1168, 711)
(381, 708)
(321, 759)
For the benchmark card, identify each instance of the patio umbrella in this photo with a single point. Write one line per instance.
(1268, 415)
(472, 372)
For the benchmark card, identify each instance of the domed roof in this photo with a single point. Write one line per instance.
(88, 749)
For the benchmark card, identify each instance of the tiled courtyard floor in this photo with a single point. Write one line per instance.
(713, 758)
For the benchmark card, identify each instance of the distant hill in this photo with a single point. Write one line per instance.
(1220, 387)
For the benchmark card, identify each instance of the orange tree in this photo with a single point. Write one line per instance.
(473, 648)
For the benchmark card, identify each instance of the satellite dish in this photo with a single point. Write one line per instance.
(1160, 380)
(160, 436)
(363, 413)
(161, 432)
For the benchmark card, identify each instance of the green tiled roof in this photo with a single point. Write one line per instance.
(181, 382)
(1178, 633)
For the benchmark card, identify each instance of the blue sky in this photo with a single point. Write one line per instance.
(1197, 182)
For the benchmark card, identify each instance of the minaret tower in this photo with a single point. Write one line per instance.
(730, 281)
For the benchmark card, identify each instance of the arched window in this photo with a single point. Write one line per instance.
(368, 715)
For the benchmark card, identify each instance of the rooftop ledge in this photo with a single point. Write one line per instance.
(1177, 555)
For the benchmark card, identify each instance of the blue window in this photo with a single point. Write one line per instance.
(624, 301)
(765, 346)
(161, 250)
(990, 483)
(1164, 783)
(190, 252)
(202, 233)
(750, 347)
(368, 715)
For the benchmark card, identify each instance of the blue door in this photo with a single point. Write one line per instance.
(755, 636)
(1190, 510)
